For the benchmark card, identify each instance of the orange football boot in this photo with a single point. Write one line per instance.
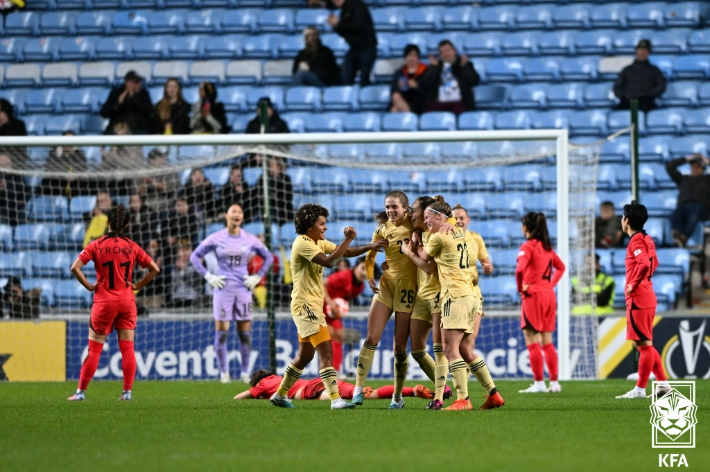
(492, 401)
(460, 405)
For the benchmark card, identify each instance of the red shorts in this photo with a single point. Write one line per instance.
(107, 316)
(314, 388)
(336, 323)
(639, 322)
(539, 311)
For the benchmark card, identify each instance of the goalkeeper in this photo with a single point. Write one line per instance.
(233, 285)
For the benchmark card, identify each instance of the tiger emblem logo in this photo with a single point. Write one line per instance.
(673, 414)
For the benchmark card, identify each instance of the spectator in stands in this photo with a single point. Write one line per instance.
(208, 115)
(20, 304)
(641, 81)
(236, 192)
(172, 113)
(121, 158)
(9, 125)
(280, 193)
(159, 190)
(602, 292)
(315, 64)
(275, 123)
(13, 192)
(180, 225)
(143, 223)
(129, 104)
(153, 294)
(449, 81)
(356, 27)
(186, 281)
(607, 227)
(693, 197)
(406, 94)
(199, 194)
(98, 217)
(66, 159)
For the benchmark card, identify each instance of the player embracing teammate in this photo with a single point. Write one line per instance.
(114, 256)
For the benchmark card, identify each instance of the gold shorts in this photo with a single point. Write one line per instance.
(397, 294)
(423, 309)
(321, 336)
(459, 313)
(308, 320)
(480, 306)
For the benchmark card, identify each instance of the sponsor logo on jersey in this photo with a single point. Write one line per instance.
(674, 415)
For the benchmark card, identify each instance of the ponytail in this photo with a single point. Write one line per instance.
(536, 224)
(118, 218)
(440, 206)
(381, 217)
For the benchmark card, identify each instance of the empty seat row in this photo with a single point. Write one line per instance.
(670, 261)
(659, 148)
(286, 20)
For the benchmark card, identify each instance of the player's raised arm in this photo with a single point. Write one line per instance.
(332, 259)
(374, 248)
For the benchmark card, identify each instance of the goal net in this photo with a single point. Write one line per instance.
(178, 188)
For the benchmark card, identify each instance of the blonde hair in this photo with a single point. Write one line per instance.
(440, 206)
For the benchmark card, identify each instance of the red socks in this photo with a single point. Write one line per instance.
(658, 366)
(535, 353)
(388, 390)
(337, 355)
(88, 368)
(129, 363)
(551, 360)
(649, 361)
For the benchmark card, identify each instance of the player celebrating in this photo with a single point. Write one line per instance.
(641, 263)
(308, 257)
(477, 252)
(233, 285)
(536, 282)
(264, 384)
(114, 257)
(344, 285)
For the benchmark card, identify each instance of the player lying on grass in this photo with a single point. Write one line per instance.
(536, 283)
(114, 257)
(233, 285)
(264, 384)
(641, 263)
(309, 254)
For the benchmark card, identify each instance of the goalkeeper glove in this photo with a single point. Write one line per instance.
(217, 281)
(250, 281)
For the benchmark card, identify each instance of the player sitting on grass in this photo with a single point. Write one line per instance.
(114, 257)
(641, 263)
(308, 257)
(264, 384)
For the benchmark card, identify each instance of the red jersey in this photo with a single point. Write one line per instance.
(343, 284)
(641, 262)
(535, 267)
(268, 386)
(114, 259)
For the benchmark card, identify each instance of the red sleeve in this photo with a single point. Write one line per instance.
(642, 261)
(142, 257)
(559, 268)
(524, 257)
(258, 390)
(88, 253)
(337, 283)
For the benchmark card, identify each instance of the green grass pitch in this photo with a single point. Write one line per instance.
(186, 426)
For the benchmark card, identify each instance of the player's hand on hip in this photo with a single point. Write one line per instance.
(629, 289)
(251, 281)
(217, 281)
(95, 286)
(350, 232)
(373, 286)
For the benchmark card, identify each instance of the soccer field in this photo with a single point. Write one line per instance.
(197, 426)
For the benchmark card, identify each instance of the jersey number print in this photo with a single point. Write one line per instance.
(463, 249)
(111, 280)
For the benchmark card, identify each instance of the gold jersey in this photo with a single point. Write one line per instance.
(400, 265)
(429, 286)
(450, 251)
(308, 276)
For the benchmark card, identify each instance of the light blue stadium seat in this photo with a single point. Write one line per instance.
(494, 233)
(476, 120)
(316, 17)
(207, 21)
(570, 95)
(296, 121)
(704, 94)
(151, 48)
(692, 66)
(43, 100)
(23, 23)
(458, 149)
(71, 294)
(274, 93)
(545, 202)
(687, 14)
(520, 44)
(428, 153)
(384, 152)
(656, 228)
(277, 20)
(666, 121)
(328, 179)
(422, 19)
(673, 261)
(223, 47)
(668, 289)
(571, 16)
(399, 41)
(505, 205)
(529, 96)
(168, 21)
(219, 176)
(459, 18)
(186, 47)
(685, 146)
(699, 41)
(47, 286)
(324, 123)
(697, 121)
(588, 122)
(664, 62)
(15, 264)
(660, 204)
(448, 181)
(114, 48)
(338, 44)
(646, 15)
(600, 95)
(437, 121)
(556, 119)
(17, 97)
(483, 44)
(340, 98)
(388, 19)
(616, 150)
(41, 49)
(303, 99)
(613, 177)
(353, 207)
(241, 20)
(505, 70)
(407, 181)
(556, 42)
(491, 96)
(580, 68)
(47, 209)
(77, 49)
(6, 237)
(519, 119)
(57, 125)
(374, 97)
(654, 148)
(11, 49)
(658, 173)
(81, 205)
(670, 42)
(620, 119)
(611, 15)
(537, 17)
(680, 94)
(523, 178)
(131, 22)
(594, 42)
(497, 18)
(289, 46)
(480, 180)
(31, 236)
(238, 122)
(506, 260)
(58, 23)
(259, 47)
(94, 22)
(52, 264)
(368, 181)
(35, 124)
(345, 151)
(366, 121)
(499, 290)
(619, 199)
(542, 69)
